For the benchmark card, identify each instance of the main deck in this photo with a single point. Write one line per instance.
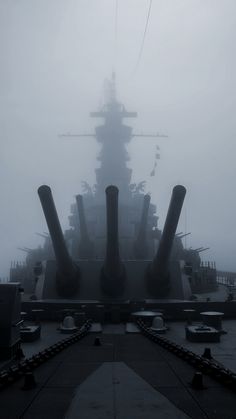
(127, 377)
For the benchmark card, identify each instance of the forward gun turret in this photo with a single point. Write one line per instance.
(113, 271)
(140, 244)
(158, 271)
(67, 272)
(86, 248)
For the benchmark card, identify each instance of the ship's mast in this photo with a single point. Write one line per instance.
(113, 135)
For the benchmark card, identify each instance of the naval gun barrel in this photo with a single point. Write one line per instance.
(86, 248)
(67, 271)
(113, 271)
(158, 272)
(140, 244)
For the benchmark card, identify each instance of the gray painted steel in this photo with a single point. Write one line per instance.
(115, 391)
(135, 284)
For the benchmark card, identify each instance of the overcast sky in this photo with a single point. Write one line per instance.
(54, 58)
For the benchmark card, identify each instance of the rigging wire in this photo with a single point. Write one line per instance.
(115, 35)
(143, 38)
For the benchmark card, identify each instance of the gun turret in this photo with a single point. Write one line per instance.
(198, 249)
(44, 235)
(67, 272)
(203, 249)
(140, 244)
(86, 248)
(182, 235)
(158, 271)
(113, 271)
(25, 249)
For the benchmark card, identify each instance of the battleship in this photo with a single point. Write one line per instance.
(150, 330)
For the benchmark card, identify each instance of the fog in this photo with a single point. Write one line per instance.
(55, 56)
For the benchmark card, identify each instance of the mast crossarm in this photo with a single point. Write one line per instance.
(75, 135)
(150, 135)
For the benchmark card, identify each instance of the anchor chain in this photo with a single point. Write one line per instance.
(18, 370)
(209, 367)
